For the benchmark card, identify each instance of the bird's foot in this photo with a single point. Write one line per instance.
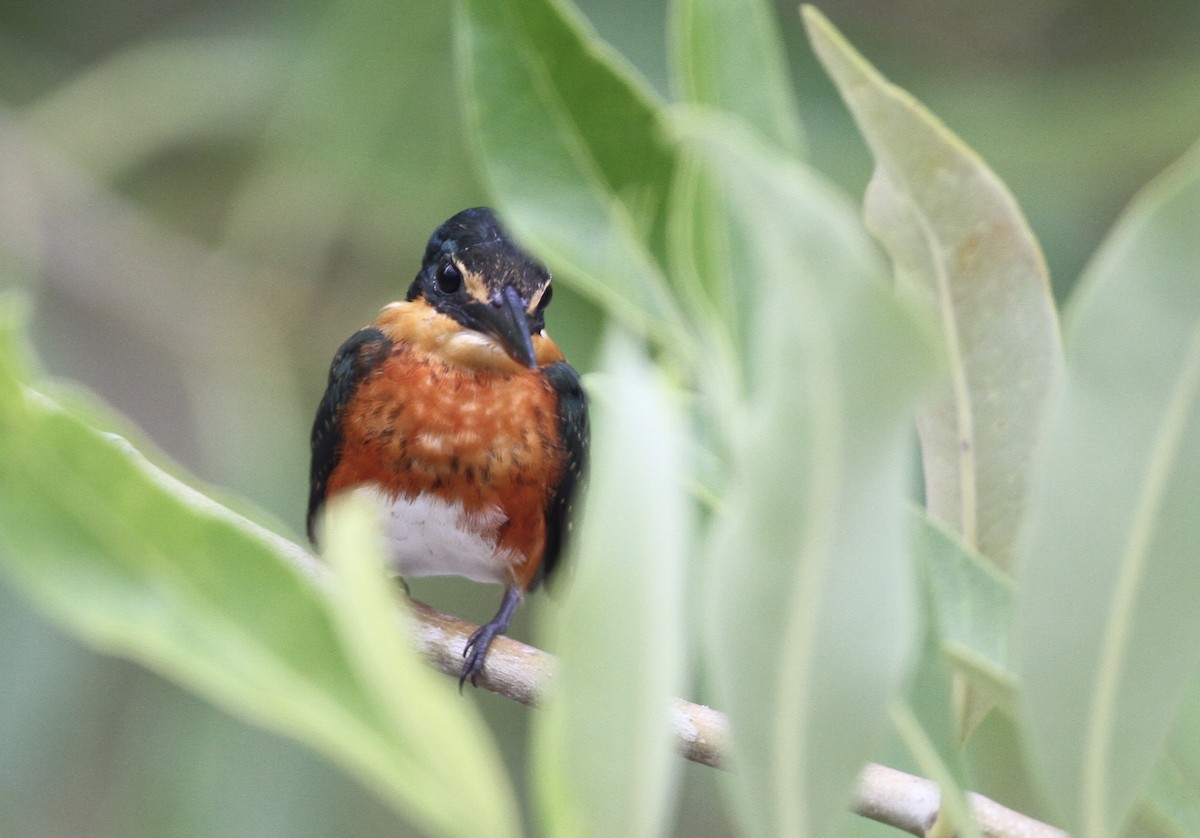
(481, 639)
(476, 651)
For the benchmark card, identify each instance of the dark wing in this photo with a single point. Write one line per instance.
(355, 358)
(573, 429)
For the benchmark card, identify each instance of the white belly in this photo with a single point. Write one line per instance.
(427, 536)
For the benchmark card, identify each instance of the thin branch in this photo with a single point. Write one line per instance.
(521, 672)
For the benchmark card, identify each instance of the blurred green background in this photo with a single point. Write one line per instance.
(201, 199)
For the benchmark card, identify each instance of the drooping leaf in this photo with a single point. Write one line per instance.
(813, 616)
(1108, 571)
(137, 564)
(605, 756)
(570, 143)
(962, 250)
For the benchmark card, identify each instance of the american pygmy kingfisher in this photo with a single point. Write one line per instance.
(457, 412)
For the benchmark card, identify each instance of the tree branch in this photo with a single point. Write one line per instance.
(521, 672)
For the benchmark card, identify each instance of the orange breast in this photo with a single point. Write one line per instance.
(487, 438)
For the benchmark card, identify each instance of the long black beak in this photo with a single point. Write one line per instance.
(505, 319)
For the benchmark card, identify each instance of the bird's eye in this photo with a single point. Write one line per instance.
(449, 278)
(545, 300)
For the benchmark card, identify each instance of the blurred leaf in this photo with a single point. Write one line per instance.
(728, 54)
(446, 743)
(137, 564)
(358, 72)
(999, 768)
(606, 762)
(968, 607)
(813, 616)
(972, 604)
(924, 720)
(143, 101)
(570, 141)
(962, 250)
(1171, 806)
(1108, 569)
(705, 252)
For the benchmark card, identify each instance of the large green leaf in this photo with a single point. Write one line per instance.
(813, 615)
(138, 564)
(570, 141)
(1108, 575)
(606, 762)
(728, 54)
(962, 250)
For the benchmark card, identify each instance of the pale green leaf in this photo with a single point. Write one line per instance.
(137, 564)
(968, 608)
(961, 249)
(1108, 573)
(606, 762)
(705, 252)
(972, 604)
(571, 145)
(1172, 805)
(812, 616)
(924, 722)
(449, 753)
(728, 54)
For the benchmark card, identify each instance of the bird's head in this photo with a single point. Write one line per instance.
(475, 274)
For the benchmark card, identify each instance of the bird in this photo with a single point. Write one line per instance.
(457, 414)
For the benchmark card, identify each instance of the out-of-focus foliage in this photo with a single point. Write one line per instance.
(146, 568)
(1108, 563)
(201, 200)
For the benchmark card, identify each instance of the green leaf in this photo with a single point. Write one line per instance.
(606, 761)
(812, 616)
(972, 604)
(1108, 572)
(571, 145)
(961, 250)
(1171, 806)
(728, 54)
(137, 564)
(924, 721)
(449, 754)
(968, 607)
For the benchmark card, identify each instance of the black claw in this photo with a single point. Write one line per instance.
(475, 652)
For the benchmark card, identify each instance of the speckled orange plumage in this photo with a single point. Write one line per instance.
(460, 420)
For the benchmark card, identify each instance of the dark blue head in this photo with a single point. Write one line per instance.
(476, 274)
